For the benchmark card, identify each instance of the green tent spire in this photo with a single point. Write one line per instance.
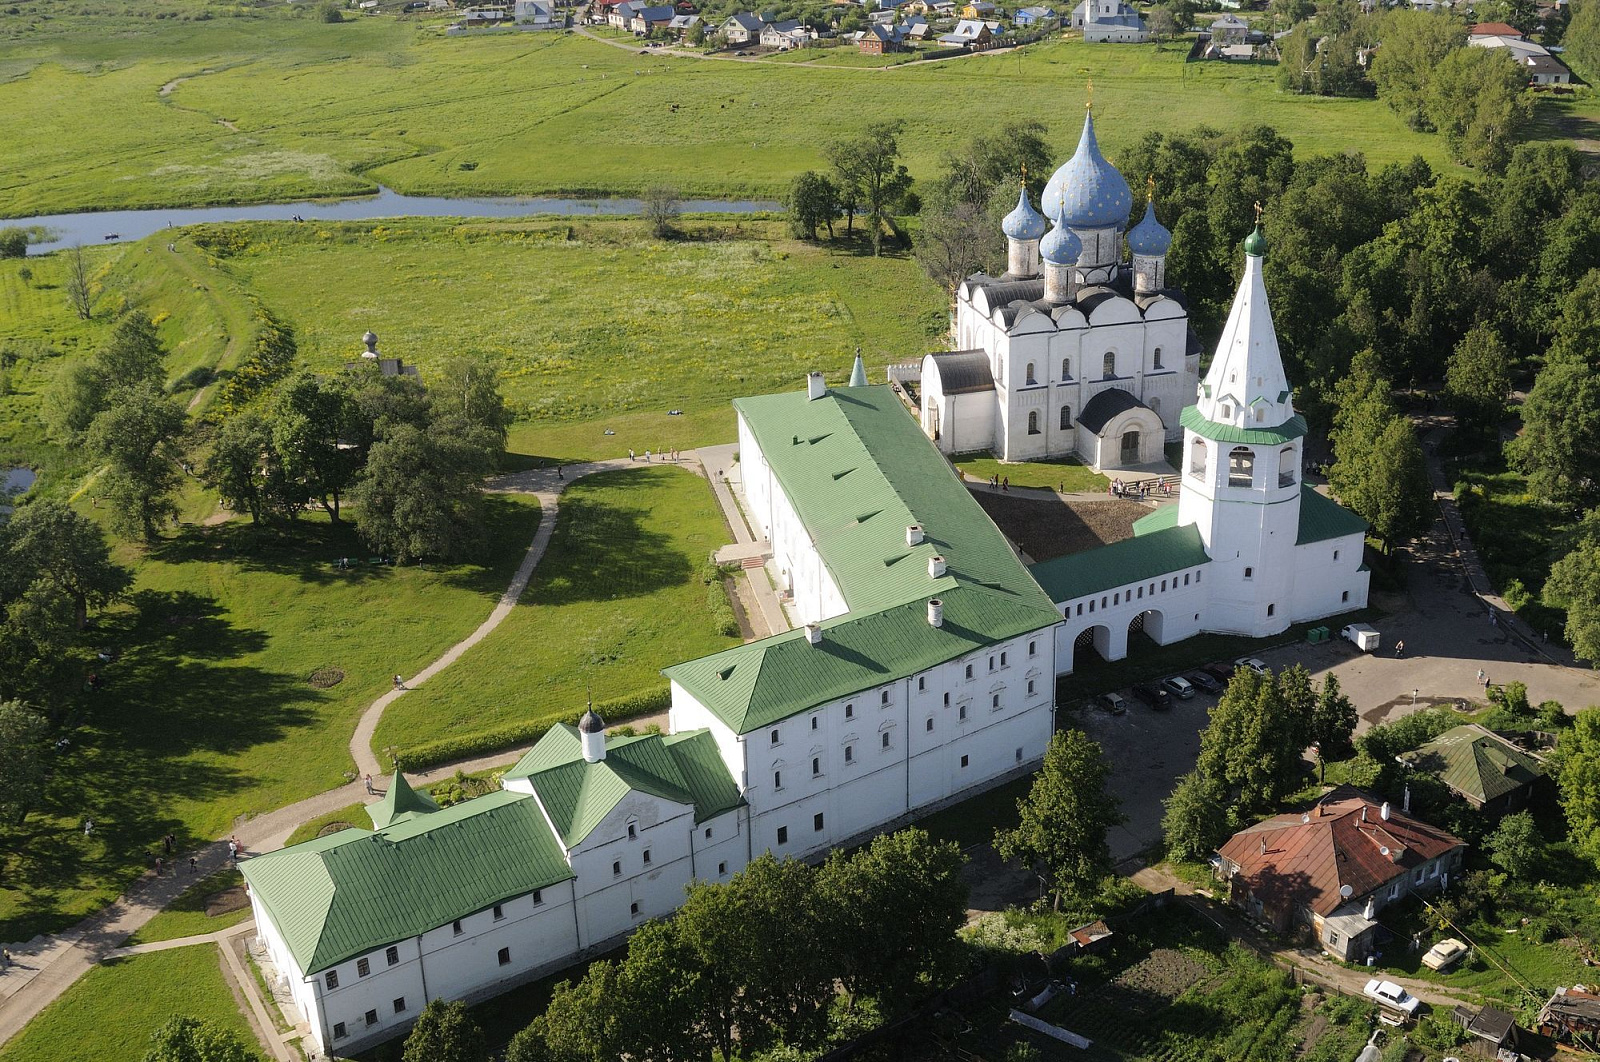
(858, 375)
(399, 804)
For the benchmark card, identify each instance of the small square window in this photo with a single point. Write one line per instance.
(339, 1031)
(332, 979)
(962, 712)
(774, 737)
(883, 698)
(885, 737)
(633, 832)
(969, 672)
(777, 779)
(708, 833)
(400, 1004)
(647, 857)
(816, 766)
(1030, 687)
(392, 956)
(994, 701)
(504, 956)
(363, 967)
(965, 760)
(1033, 648)
(922, 683)
(849, 711)
(538, 897)
(816, 822)
(783, 835)
(929, 727)
(633, 909)
(1019, 753)
(500, 911)
(455, 927)
(1271, 609)
(814, 723)
(1248, 572)
(372, 1017)
(616, 868)
(1345, 596)
(1335, 554)
(722, 868)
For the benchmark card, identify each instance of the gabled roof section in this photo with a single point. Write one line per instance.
(1305, 858)
(577, 795)
(400, 803)
(963, 372)
(1322, 518)
(1247, 368)
(1099, 410)
(1132, 560)
(1477, 763)
(351, 892)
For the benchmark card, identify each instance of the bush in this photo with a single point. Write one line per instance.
(330, 13)
(1387, 740)
(13, 243)
(445, 750)
(1516, 594)
(1513, 697)
(1438, 1032)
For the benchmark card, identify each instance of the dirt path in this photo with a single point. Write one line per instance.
(235, 317)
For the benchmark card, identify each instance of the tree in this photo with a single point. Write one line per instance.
(80, 288)
(445, 1032)
(132, 356)
(1559, 447)
(1478, 101)
(420, 494)
(466, 397)
(1478, 380)
(185, 1039)
(1065, 817)
(240, 466)
(812, 201)
(13, 243)
(1415, 43)
(1333, 722)
(1582, 38)
(25, 750)
(996, 159)
(310, 419)
(870, 175)
(1574, 583)
(891, 911)
(662, 205)
(1378, 468)
(1290, 13)
(1401, 499)
(1578, 776)
(954, 242)
(331, 13)
(1257, 734)
(52, 550)
(1516, 847)
(1196, 817)
(1163, 27)
(134, 436)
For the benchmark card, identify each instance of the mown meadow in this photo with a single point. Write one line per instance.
(264, 105)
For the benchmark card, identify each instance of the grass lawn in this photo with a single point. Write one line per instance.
(259, 109)
(354, 815)
(1067, 473)
(1519, 536)
(616, 598)
(208, 714)
(109, 1014)
(186, 916)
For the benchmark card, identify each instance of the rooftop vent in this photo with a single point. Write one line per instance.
(1384, 811)
(814, 633)
(936, 566)
(913, 534)
(935, 612)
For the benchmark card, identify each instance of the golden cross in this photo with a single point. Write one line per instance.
(1024, 174)
(1089, 87)
(1258, 211)
(1150, 186)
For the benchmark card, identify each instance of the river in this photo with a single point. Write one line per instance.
(92, 227)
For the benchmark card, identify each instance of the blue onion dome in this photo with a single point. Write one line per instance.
(1149, 238)
(1061, 246)
(1090, 188)
(1023, 223)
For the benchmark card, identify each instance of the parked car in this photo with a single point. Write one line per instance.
(1391, 995)
(1207, 681)
(1362, 635)
(1154, 696)
(1445, 953)
(1111, 702)
(1178, 686)
(1254, 664)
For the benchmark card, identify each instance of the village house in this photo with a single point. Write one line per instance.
(969, 34)
(1334, 868)
(620, 16)
(740, 29)
(1229, 29)
(1546, 70)
(878, 39)
(980, 9)
(789, 33)
(682, 24)
(1572, 1015)
(1033, 16)
(646, 19)
(536, 15)
(916, 28)
(1480, 767)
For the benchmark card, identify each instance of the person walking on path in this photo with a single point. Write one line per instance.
(560, 475)
(159, 864)
(1480, 676)
(1005, 484)
(399, 683)
(631, 456)
(194, 865)
(370, 790)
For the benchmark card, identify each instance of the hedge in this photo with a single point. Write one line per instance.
(447, 750)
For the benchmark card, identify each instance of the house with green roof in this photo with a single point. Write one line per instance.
(1486, 769)
(924, 666)
(588, 838)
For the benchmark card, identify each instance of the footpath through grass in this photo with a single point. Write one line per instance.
(208, 713)
(186, 916)
(616, 598)
(109, 1014)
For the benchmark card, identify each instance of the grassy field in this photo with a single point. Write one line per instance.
(1519, 536)
(186, 916)
(616, 598)
(109, 1014)
(1068, 474)
(207, 713)
(257, 107)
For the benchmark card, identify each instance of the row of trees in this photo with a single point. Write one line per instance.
(1251, 752)
(867, 178)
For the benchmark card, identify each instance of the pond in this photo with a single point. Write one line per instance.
(92, 227)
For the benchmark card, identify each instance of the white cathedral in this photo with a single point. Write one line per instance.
(1072, 350)
(925, 667)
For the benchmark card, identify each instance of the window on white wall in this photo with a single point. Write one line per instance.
(1241, 467)
(1286, 466)
(1109, 365)
(331, 979)
(849, 754)
(816, 766)
(884, 738)
(783, 835)
(773, 738)
(1066, 418)
(1031, 380)
(372, 1017)
(1033, 422)
(391, 955)
(1156, 361)
(1197, 458)
(363, 967)
(777, 779)
(1066, 369)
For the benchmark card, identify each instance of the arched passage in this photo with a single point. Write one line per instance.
(1091, 642)
(1149, 624)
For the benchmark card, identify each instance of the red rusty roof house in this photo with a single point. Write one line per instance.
(1334, 867)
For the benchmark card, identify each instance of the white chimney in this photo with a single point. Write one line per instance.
(935, 612)
(913, 534)
(816, 386)
(936, 566)
(814, 633)
(1384, 811)
(1369, 912)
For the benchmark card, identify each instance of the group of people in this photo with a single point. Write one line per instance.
(1000, 482)
(1140, 490)
(650, 455)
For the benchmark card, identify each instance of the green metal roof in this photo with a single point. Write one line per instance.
(1476, 762)
(399, 804)
(1164, 517)
(577, 795)
(1323, 518)
(1145, 556)
(1291, 429)
(858, 471)
(351, 892)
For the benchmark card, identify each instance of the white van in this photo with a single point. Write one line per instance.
(1364, 637)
